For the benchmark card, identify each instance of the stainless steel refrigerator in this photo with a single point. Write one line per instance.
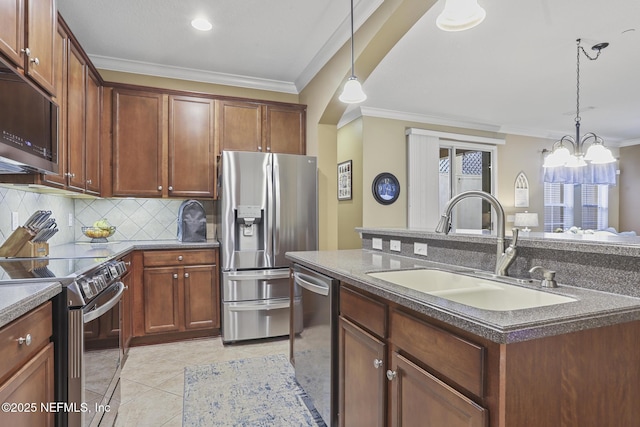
(268, 206)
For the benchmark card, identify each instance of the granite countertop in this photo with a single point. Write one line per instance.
(592, 308)
(117, 249)
(17, 297)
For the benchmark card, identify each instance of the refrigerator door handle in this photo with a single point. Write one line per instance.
(310, 284)
(276, 210)
(258, 276)
(259, 306)
(271, 205)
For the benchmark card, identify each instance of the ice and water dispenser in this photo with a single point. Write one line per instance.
(249, 233)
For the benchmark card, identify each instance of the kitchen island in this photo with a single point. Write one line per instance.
(423, 360)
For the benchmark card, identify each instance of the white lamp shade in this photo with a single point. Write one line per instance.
(526, 220)
(460, 15)
(352, 92)
(599, 154)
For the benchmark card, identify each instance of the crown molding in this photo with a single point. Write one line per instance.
(151, 69)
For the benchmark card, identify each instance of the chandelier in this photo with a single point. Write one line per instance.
(597, 153)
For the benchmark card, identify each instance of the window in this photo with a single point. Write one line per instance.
(567, 205)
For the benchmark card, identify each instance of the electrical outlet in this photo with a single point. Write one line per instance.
(15, 220)
(376, 243)
(70, 223)
(394, 245)
(420, 248)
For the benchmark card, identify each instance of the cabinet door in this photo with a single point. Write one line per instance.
(41, 22)
(92, 140)
(137, 143)
(201, 297)
(419, 399)
(12, 29)
(32, 384)
(61, 51)
(191, 147)
(239, 125)
(362, 384)
(284, 129)
(76, 99)
(161, 300)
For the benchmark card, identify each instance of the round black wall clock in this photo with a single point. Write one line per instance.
(385, 188)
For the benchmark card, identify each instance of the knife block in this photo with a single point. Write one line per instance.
(19, 245)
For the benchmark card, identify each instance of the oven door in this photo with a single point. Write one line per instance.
(95, 356)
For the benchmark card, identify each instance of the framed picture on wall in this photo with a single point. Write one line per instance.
(344, 180)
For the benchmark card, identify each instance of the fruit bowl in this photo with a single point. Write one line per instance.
(97, 234)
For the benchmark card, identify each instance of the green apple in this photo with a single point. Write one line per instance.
(103, 224)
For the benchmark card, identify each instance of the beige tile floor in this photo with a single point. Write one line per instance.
(152, 380)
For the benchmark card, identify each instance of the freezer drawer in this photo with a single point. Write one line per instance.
(248, 320)
(255, 285)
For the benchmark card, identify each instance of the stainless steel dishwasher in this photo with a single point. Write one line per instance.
(315, 348)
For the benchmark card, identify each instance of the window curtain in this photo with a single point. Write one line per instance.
(589, 174)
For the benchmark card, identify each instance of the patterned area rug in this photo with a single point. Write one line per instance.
(257, 392)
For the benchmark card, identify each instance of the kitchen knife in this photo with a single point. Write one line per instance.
(32, 219)
(39, 235)
(49, 223)
(41, 219)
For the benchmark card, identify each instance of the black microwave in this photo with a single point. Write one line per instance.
(28, 126)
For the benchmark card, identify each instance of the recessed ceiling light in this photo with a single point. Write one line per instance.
(201, 24)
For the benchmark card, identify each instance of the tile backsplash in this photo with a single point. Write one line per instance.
(135, 219)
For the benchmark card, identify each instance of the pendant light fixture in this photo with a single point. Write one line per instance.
(352, 92)
(597, 152)
(460, 15)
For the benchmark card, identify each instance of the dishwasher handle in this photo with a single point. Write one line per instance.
(311, 284)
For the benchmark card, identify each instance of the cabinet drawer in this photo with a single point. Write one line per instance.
(366, 312)
(455, 358)
(179, 257)
(38, 325)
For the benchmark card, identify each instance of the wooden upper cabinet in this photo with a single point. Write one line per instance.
(191, 147)
(92, 133)
(42, 16)
(76, 99)
(255, 126)
(137, 143)
(12, 32)
(61, 49)
(239, 125)
(27, 34)
(284, 129)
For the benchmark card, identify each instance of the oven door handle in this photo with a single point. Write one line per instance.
(94, 314)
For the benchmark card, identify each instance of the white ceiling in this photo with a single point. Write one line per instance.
(514, 73)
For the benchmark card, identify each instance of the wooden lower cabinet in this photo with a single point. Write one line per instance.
(178, 294)
(394, 380)
(420, 399)
(362, 384)
(440, 375)
(26, 369)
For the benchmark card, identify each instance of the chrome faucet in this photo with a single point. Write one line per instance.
(504, 258)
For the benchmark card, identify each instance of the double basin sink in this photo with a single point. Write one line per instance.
(472, 289)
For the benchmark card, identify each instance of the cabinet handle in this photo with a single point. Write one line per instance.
(391, 375)
(268, 148)
(171, 188)
(175, 275)
(259, 148)
(25, 340)
(179, 257)
(128, 263)
(89, 181)
(35, 61)
(26, 51)
(70, 175)
(126, 288)
(186, 275)
(159, 187)
(377, 363)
